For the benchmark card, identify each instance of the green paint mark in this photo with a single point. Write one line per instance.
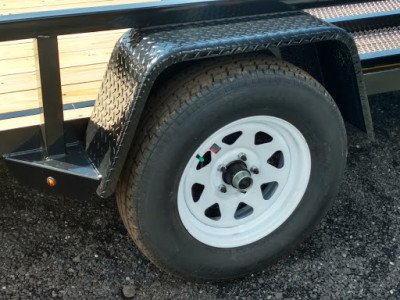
(201, 159)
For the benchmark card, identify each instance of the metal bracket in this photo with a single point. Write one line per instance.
(50, 95)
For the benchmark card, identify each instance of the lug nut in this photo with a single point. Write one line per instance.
(255, 170)
(242, 157)
(222, 188)
(222, 168)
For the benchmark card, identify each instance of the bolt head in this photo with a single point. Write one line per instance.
(255, 170)
(222, 188)
(242, 157)
(222, 168)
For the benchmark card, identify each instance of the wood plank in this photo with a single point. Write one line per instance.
(18, 101)
(80, 92)
(68, 44)
(17, 66)
(16, 49)
(15, 82)
(82, 73)
(26, 100)
(84, 41)
(27, 64)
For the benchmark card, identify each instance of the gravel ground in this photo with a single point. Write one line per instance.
(55, 247)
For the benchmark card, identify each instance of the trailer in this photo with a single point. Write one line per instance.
(219, 124)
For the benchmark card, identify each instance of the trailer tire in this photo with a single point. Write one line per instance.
(233, 165)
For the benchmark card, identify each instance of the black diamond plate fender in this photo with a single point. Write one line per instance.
(141, 55)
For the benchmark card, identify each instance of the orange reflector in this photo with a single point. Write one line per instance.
(51, 181)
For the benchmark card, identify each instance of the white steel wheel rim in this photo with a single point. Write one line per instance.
(233, 219)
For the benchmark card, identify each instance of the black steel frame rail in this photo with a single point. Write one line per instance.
(382, 81)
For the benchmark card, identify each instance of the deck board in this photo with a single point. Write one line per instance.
(83, 59)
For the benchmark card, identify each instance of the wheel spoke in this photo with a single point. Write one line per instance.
(206, 200)
(228, 208)
(246, 140)
(255, 200)
(269, 173)
(201, 176)
(265, 151)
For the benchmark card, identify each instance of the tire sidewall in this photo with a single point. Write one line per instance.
(295, 100)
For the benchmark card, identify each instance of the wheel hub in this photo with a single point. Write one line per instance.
(238, 176)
